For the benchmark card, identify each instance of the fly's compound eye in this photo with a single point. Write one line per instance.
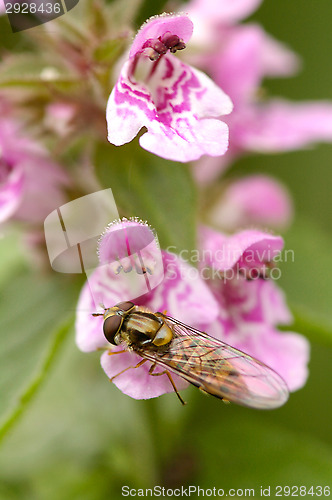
(125, 306)
(111, 327)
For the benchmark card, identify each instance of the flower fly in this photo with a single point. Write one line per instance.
(213, 366)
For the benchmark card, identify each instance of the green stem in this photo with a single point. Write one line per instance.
(151, 417)
(35, 384)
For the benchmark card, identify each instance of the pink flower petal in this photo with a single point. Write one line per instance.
(177, 105)
(44, 188)
(237, 66)
(137, 382)
(31, 184)
(156, 26)
(287, 353)
(282, 126)
(208, 168)
(246, 247)
(253, 200)
(284, 352)
(183, 294)
(132, 240)
(277, 59)
(249, 310)
(59, 117)
(247, 55)
(221, 11)
(247, 304)
(255, 301)
(11, 191)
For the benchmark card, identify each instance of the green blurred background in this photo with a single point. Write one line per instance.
(80, 438)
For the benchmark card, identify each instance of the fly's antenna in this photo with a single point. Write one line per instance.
(100, 314)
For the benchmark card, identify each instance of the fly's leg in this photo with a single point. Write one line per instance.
(166, 372)
(128, 367)
(111, 353)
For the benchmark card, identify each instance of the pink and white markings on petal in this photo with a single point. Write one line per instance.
(182, 293)
(178, 104)
(251, 309)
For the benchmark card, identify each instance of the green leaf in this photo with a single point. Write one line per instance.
(307, 279)
(253, 452)
(314, 327)
(34, 71)
(146, 11)
(156, 190)
(32, 311)
(109, 50)
(11, 253)
(86, 437)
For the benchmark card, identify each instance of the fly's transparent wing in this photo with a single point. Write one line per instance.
(219, 369)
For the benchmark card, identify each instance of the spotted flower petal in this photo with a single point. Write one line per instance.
(245, 248)
(251, 310)
(177, 103)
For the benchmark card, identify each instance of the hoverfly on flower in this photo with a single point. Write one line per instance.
(213, 366)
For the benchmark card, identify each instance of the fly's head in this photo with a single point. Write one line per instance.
(113, 321)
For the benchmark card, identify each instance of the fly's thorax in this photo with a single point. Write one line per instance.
(144, 330)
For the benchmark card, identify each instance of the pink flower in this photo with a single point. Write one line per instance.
(279, 125)
(251, 309)
(224, 302)
(59, 117)
(238, 58)
(31, 185)
(182, 293)
(178, 104)
(2, 7)
(221, 11)
(256, 200)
